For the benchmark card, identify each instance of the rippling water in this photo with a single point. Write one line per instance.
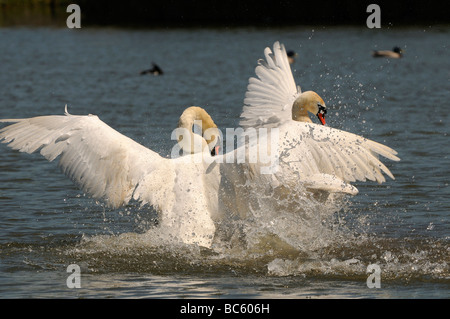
(46, 223)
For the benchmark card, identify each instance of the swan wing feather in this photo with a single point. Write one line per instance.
(101, 161)
(269, 97)
(314, 149)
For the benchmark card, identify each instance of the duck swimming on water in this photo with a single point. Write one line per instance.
(396, 53)
(155, 70)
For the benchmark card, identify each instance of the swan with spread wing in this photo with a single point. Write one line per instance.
(109, 166)
(320, 157)
(192, 192)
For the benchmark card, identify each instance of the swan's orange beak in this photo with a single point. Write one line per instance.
(321, 114)
(215, 150)
(321, 118)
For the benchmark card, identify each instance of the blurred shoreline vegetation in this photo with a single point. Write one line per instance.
(33, 12)
(224, 13)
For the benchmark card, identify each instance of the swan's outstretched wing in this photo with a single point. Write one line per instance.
(269, 98)
(311, 149)
(104, 163)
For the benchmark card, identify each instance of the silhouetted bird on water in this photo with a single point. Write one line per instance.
(155, 70)
(396, 53)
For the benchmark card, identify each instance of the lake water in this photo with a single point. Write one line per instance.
(46, 223)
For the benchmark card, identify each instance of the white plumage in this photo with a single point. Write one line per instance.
(103, 162)
(320, 157)
(312, 153)
(268, 100)
(112, 167)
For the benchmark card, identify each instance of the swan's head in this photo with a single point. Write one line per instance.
(198, 132)
(311, 102)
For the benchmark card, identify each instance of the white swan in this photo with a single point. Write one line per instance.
(110, 166)
(191, 192)
(320, 157)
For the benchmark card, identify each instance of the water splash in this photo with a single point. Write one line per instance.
(302, 234)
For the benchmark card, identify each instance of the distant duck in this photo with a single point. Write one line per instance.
(396, 53)
(291, 56)
(155, 70)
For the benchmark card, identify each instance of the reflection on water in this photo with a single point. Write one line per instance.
(304, 250)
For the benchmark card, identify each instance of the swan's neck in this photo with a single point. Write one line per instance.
(299, 111)
(196, 115)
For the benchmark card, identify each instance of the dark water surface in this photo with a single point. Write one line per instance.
(46, 223)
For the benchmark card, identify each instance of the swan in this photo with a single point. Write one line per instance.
(320, 157)
(111, 167)
(191, 192)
